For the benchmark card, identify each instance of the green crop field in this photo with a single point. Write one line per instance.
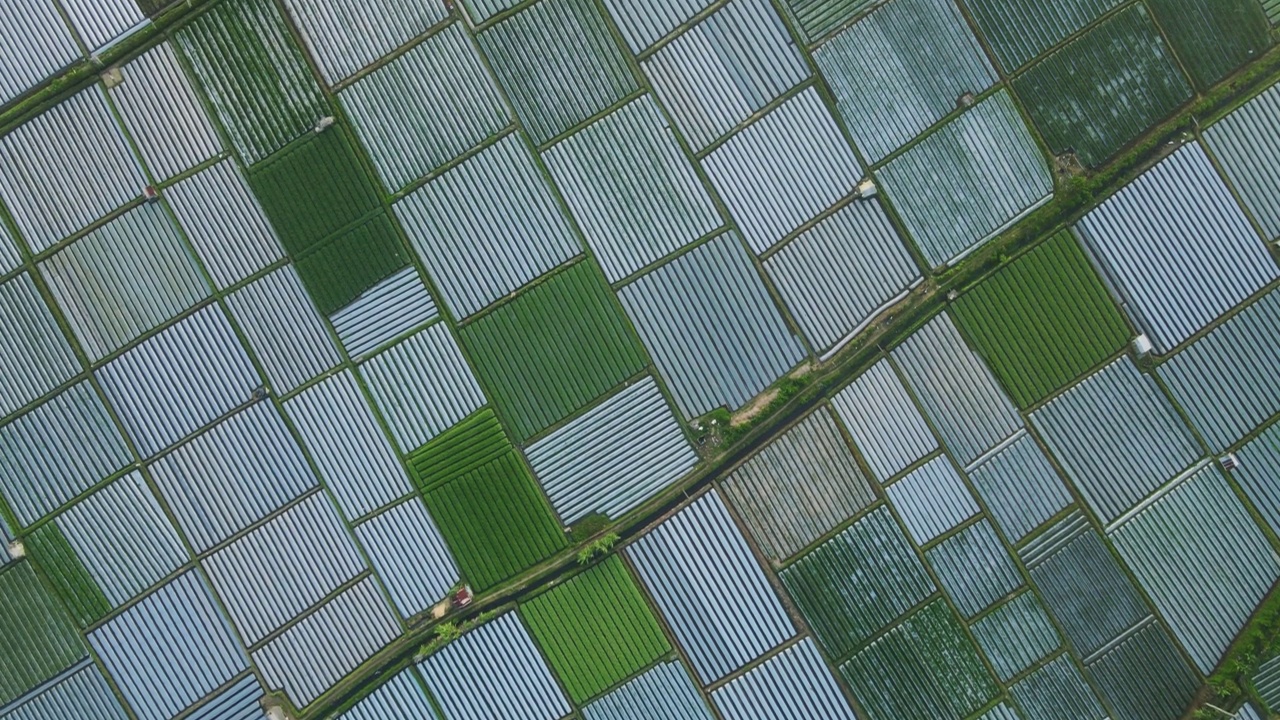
(313, 189)
(37, 640)
(254, 74)
(925, 667)
(596, 629)
(1104, 88)
(485, 502)
(70, 578)
(856, 583)
(337, 271)
(1019, 30)
(467, 446)
(1043, 321)
(553, 349)
(1213, 37)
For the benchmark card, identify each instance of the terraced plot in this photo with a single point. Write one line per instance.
(1104, 88)
(1043, 321)
(596, 629)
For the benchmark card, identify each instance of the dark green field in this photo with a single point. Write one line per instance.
(59, 562)
(555, 348)
(596, 629)
(1105, 88)
(36, 638)
(1043, 321)
(342, 267)
(1213, 37)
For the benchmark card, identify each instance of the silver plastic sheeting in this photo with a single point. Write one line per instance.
(480, 244)
(711, 327)
(725, 69)
(224, 223)
(615, 456)
(400, 698)
(232, 476)
(10, 258)
(1016, 635)
(409, 556)
(912, 85)
(1117, 437)
(384, 312)
(354, 456)
(958, 392)
(884, 422)
(932, 499)
(795, 684)
(969, 180)
(101, 21)
(34, 44)
(665, 691)
(481, 10)
(422, 386)
(1257, 474)
(1203, 561)
(707, 585)
(1226, 381)
(425, 108)
(1247, 144)
(66, 168)
(162, 113)
(516, 683)
(306, 552)
(974, 568)
(643, 23)
(634, 193)
(836, 275)
(799, 487)
(241, 701)
(783, 170)
(324, 647)
(34, 356)
(1144, 677)
(1003, 711)
(283, 329)
(1019, 487)
(58, 451)
(1057, 690)
(181, 630)
(346, 35)
(580, 69)
(81, 693)
(1177, 249)
(1083, 585)
(123, 538)
(123, 279)
(178, 381)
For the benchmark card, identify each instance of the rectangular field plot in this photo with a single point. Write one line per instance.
(553, 349)
(595, 629)
(1247, 144)
(1105, 88)
(1214, 37)
(666, 691)
(40, 640)
(792, 685)
(485, 502)
(995, 175)
(1019, 30)
(1042, 321)
(925, 667)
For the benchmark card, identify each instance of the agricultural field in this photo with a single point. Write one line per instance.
(323, 317)
(1104, 88)
(596, 629)
(1043, 320)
